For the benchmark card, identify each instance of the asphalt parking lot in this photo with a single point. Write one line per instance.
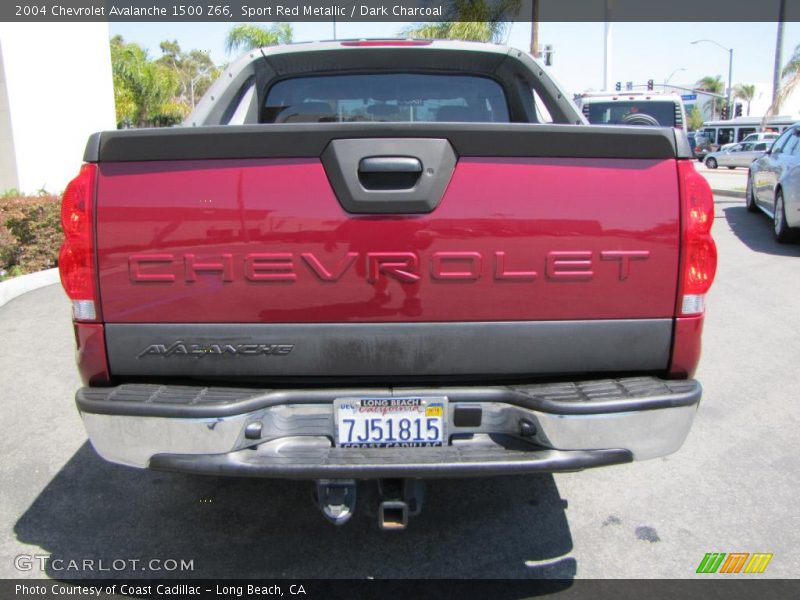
(733, 486)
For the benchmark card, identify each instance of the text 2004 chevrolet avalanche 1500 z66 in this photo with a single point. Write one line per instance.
(390, 260)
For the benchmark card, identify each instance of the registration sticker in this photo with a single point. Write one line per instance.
(406, 422)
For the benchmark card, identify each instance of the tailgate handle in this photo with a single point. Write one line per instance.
(389, 172)
(390, 176)
(390, 164)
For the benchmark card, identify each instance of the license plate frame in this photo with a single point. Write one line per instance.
(424, 413)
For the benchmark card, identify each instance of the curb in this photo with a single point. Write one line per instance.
(26, 283)
(731, 193)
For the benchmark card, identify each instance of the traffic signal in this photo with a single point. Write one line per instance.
(618, 86)
(724, 113)
(548, 55)
(738, 111)
(649, 85)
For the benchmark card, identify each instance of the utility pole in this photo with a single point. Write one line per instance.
(535, 29)
(607, 47)
(776, 72)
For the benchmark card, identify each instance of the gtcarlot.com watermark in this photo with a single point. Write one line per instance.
(53, 564)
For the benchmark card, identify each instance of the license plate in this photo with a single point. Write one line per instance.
(407, 422)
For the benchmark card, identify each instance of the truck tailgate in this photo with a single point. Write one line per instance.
(537, 256)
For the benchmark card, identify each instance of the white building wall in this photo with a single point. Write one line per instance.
(763, 98)
(8, 161)
(59, 88)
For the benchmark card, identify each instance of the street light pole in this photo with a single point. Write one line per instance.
(193, 81)
(671, 75)
(730, 70)
(730, 82)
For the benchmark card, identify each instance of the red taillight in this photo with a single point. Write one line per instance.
(76, 259)
(75, 266)
(698, 251)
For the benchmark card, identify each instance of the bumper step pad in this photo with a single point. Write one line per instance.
(573, 398)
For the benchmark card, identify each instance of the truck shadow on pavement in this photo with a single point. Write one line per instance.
(502, 527)
(755, 231)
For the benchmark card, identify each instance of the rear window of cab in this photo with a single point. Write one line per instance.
(388, 97)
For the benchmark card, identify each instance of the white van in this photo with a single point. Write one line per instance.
(721, 133)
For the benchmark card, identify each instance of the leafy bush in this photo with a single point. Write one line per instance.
(30, 233)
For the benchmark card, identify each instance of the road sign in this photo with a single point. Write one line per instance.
(689, 97)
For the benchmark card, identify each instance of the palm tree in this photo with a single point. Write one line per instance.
(247, 36)
(712, 85)
(471, 20)
(790, 78)
(478, 31)
(746, 92)
(144, 90)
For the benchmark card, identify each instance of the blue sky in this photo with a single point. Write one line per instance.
(640, 51)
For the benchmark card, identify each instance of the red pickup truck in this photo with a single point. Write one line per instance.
(389, 260)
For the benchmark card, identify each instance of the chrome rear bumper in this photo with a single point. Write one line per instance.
(289, 433)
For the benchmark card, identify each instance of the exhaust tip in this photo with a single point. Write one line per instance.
(393, 515)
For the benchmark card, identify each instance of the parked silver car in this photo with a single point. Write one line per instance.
(773, 185)
(761, 136)
(738, 155)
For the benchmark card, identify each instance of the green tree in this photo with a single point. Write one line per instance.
(470, 20)
(712, 85)
(746, 92)
(195, 71)
(144, 90)
(247, 36)
(477, 31)
(695, 118)
(790, 77)
(127, 63)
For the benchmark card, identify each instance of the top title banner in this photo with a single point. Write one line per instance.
(399, 10)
